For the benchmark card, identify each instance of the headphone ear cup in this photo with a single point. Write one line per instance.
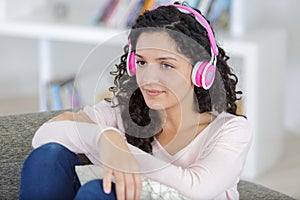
(203, 74)
(130, 62)
(208, 76)
(131, 69)
(197, 73)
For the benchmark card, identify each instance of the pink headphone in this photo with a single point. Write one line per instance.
(203, 74)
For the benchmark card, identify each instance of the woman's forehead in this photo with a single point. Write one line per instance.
(158, 44)
(156, 40)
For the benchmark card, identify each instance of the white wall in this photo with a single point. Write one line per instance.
(18, 67)
(282, 14)
(277, 13)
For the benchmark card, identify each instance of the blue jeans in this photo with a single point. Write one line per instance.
(49, 173)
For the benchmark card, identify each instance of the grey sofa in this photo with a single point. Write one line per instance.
(16, 132)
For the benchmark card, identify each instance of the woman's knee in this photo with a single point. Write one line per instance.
(93, 190)
(50, 152)
(51, 149)
(51, 158)
(49, 169)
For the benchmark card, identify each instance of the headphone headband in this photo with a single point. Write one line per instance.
(203, 22)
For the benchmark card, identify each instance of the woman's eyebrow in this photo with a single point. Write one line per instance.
(140, 56)
(166, 58)
(160, 58)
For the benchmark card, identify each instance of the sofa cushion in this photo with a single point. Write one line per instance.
(249, 190)
(16, 132)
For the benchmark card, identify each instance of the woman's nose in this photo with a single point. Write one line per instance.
(151, 73)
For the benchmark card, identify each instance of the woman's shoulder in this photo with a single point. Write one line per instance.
(226, 124)
(230, 124)
(228, 118)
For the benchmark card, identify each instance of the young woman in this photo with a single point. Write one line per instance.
(172, 121)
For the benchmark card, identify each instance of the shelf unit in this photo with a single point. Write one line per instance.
(258, 60)
(38, 23)
(45, 33)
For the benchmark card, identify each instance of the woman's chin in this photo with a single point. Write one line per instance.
(156, 106)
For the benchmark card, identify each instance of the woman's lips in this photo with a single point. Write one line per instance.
(153, 93)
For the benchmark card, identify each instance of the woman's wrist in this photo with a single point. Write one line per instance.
(115, 153)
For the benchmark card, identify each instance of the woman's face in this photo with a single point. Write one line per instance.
(163, 74)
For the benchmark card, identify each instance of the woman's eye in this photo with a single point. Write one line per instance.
(140, 63)
(167, 66)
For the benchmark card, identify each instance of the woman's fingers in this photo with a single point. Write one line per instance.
(120, 185)
(107, 179)
(138, 186)
(130, 186)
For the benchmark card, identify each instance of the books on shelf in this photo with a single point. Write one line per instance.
(62, 94)
(122, 13)
(219, 13)
(216, 11)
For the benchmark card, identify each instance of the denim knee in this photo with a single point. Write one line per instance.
(49, 173)
(51, 151)
(93, 190)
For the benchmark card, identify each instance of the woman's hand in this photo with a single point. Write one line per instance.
(128, 185)
(120, 164)
(72, 116)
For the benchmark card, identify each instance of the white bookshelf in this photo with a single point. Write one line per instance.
(46, 33)
(36, 22)
(258, 60)
(58, 32)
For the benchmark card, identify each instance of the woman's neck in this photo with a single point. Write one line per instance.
(182, 123)
(180, 116)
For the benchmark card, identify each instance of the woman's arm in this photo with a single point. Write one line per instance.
(78, 137)
(214, 172)
(101, 143)
(78, 131)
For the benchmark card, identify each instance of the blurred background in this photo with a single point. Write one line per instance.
(56, 54)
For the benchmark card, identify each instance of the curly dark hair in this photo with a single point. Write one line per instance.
(142, 123)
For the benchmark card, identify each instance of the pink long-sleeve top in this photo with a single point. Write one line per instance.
(207, 168)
